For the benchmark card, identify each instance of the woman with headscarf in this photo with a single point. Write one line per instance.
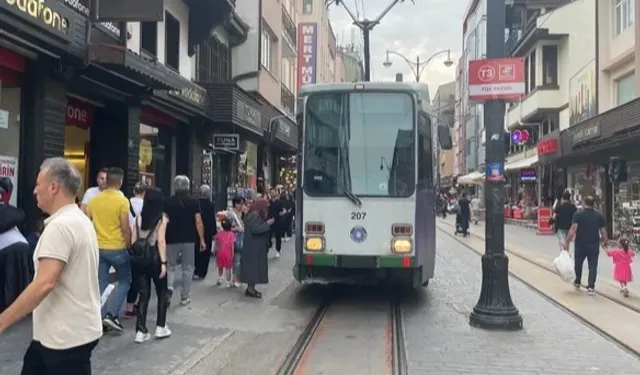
(254, 268)
(208, 212)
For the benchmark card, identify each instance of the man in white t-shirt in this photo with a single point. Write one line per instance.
(64, 296)
(91, 192)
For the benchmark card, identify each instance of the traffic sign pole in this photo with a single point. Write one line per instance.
(495, 308)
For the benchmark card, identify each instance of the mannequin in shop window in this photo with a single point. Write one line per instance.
(16, 266)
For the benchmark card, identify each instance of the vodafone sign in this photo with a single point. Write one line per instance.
(496, 79)
(79, 113)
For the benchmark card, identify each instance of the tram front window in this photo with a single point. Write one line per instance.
(360, 143)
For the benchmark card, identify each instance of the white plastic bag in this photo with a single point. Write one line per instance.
(564, 266)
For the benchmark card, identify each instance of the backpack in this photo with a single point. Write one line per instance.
(142, 250)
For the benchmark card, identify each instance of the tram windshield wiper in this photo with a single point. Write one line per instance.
(352, 197)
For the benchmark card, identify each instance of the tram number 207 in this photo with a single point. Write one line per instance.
(358, 215)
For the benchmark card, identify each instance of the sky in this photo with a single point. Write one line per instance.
(422, 29)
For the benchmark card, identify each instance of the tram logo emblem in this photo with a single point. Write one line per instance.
(358, 234)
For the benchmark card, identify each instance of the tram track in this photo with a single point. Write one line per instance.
(392, 336)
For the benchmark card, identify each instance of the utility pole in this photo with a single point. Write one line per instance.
(495, 308)
(366, 26)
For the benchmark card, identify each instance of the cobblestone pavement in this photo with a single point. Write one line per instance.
(547, 247)
(440, 340)
(217, 333)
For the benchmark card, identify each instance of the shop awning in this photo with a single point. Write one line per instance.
(473, 178)
(135, 67)
(522, 163)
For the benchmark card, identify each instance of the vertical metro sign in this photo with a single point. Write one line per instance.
(307, 53)
(496, 79)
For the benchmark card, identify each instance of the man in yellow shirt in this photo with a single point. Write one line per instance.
(109, 211)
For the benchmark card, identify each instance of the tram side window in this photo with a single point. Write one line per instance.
(425, 158)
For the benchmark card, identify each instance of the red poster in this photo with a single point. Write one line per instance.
(544, 215)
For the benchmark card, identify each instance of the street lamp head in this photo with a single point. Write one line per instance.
(387, 63)
(448, 62)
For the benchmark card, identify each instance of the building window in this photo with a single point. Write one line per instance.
(172, 41)
(213, 61)
(624, 13)
(307, 6)
(149, 38)
(268, 49)
(532, 72)
(625, 89)
(550, 65)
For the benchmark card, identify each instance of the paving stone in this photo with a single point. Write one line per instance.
(440, 340)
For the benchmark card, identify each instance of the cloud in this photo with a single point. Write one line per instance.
(421, 30)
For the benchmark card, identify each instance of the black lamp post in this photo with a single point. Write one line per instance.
(495, 308)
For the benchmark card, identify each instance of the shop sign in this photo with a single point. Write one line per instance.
(307, 53)
(79, 114)
(547, 146)
(584, 133)
(191, 95)
(49, 15)
(229, 142)
(110, 28)
(248, 114)
(528, 175)
(284, 131)
(9, 169)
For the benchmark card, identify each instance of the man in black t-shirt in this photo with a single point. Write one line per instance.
(563, 216)
(588, 229)
(184, 229)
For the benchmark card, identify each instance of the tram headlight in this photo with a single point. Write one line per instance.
(314, 244)
(401, 245)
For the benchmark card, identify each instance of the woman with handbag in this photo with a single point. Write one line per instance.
(149, 260)
(235, 216)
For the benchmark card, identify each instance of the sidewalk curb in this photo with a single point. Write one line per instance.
(510, 250)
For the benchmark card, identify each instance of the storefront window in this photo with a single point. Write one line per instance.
(626, 218)
(287, 172)
(586, 181)
(78, 120)
(248, 167)
(10, 134)
(151, 154)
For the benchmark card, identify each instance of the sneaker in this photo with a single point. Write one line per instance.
(112, 322)
(277, 254)
(591, 292)
(576, 285)
(220, 281)
(237, 285)
(185, 301)
(162, 332)
(142, 337)
(625, 292)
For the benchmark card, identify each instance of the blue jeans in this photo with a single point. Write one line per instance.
(120, 261)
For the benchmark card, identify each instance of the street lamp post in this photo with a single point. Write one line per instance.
(495, 308)
(417, 67)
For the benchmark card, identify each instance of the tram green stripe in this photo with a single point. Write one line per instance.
(321, 260)
(393, 261)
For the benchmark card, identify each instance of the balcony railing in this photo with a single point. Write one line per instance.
(288, 99)
(289, 28)
(516, 35)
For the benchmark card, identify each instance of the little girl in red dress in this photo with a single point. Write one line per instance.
(223, 248)
(622, 260)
